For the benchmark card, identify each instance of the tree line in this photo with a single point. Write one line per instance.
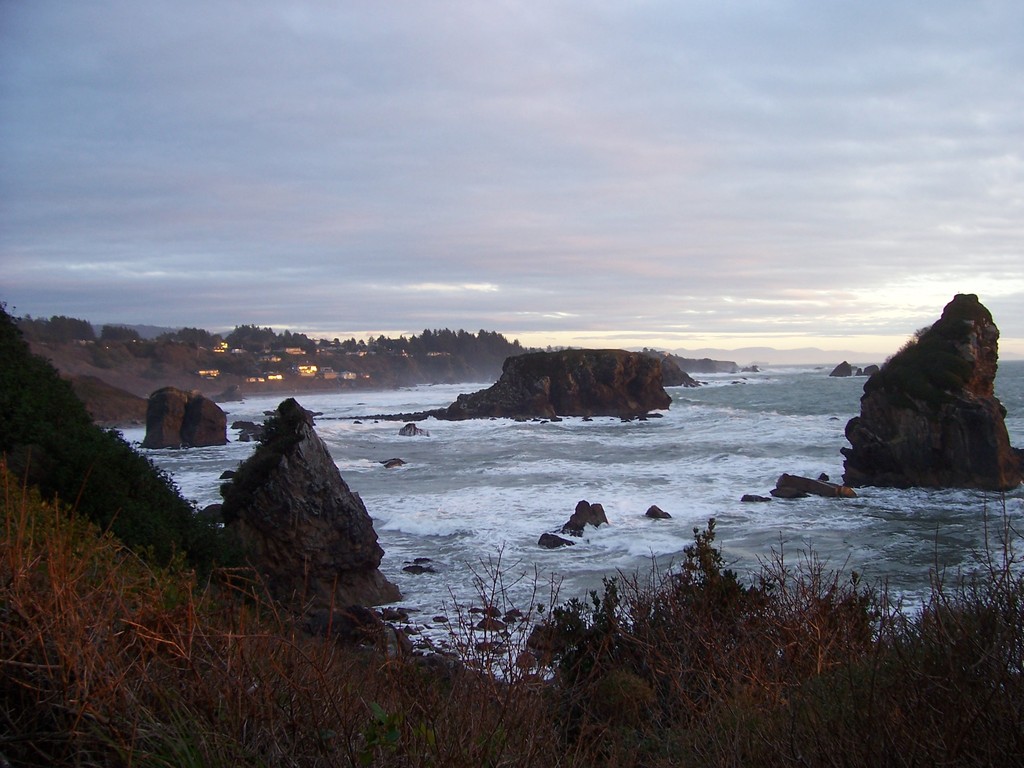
(60, 329)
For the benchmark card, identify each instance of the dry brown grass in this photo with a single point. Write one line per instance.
(107, 660)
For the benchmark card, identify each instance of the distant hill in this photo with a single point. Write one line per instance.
(144, 331)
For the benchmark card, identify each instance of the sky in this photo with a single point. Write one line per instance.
(671, 174)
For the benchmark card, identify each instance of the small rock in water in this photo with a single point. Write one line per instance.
(411, 430)
(551, 541)
(657, 513)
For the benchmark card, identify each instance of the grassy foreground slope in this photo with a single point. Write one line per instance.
(108, 660)
(118, 655)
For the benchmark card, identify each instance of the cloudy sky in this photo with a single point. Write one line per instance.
(671, 173)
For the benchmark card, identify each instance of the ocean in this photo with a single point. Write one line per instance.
(474, 496)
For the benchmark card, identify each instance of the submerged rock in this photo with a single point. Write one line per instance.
(794, 486)
(302, 528)
(930, 417)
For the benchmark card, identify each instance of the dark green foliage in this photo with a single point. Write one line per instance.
(929, 368)
(58, 329)
(696, 649)
(197, 337)
(256, 339)
(119, 333)
(48, 438)
(251, 337)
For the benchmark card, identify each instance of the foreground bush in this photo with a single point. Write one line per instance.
(803, 668)
(107, 659)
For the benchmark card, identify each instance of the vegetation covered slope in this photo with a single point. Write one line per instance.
(48, 439)
(106, 660)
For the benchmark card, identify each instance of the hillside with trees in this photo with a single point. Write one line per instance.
(255, 360)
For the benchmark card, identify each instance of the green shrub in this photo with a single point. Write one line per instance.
(49, 439)
(929, 368)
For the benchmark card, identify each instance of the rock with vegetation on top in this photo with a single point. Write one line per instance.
(300, 525)
(671, 374)
(930, 417)
(179, 419)
(575, 382)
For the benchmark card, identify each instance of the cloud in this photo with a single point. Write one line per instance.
(618, 168)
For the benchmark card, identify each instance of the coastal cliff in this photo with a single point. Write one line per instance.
(930, 417)
(578, 382)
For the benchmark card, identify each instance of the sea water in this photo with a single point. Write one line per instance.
(474, 496)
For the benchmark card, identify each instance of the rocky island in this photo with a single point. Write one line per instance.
(573, 382)
(930, 417)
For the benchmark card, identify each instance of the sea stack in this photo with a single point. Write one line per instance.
(574, 382)
(179, 419)
(929, 417)
(302, 528)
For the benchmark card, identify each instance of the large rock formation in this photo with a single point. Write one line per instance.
(671, 374)
(303, 529)
(179, 419)
(929, 416)
(585, 382)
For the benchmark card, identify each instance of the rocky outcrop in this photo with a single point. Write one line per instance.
(302, 528)
(568, 383)
(584, 515)
(671, 374)
(248, 431)
(794, 487)
(411, 430)
(674, 376)
(842, 370)
(929, 417)
(657, 513)
(705, 365)
(551, 541)
(179, 419)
